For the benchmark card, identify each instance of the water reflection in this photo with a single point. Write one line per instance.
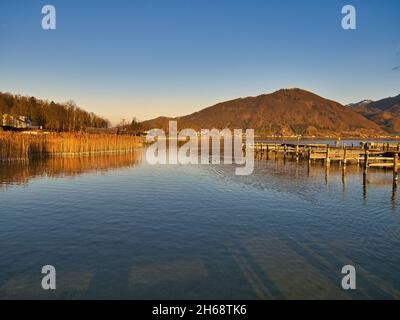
(181, 232)
(268, 174)
(20, 172)
(394, 194)
(304, 175)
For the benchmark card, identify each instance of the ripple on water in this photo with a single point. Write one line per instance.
(137, 231)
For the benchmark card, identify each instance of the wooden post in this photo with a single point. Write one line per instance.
(309, 154)
(344, 155)
(366, 157)
(267, 151)
(365, 185)
(264, 147)
(327, 160)
(394, 195)
(344, 182)
(327, 169)
(396, 166)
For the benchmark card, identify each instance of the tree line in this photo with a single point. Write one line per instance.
(132, 128)
(61, 117)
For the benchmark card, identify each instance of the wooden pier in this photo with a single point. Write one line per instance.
(380, 155)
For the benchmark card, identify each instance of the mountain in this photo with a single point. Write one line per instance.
(385, 112)
(284, 112)
(361, 103)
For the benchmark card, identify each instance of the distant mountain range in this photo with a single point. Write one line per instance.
(385, 112)
(292, 112)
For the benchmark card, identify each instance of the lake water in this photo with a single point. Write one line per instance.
(115, 227)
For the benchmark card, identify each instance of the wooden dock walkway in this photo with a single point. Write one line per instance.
(382, 155)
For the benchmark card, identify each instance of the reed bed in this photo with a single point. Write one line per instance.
(23, 146)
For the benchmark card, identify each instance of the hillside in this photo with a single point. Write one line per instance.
(50, 115)
(284, 112)
(385, 113)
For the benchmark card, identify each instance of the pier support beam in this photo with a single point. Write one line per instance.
(365, 186)
(328, 159)
(366, 159)
(394, 195)
(344, 181)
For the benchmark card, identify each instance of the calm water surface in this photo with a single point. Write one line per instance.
(115, 227)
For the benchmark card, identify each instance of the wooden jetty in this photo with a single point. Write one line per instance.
(380, 155)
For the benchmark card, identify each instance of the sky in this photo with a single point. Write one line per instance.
(125, 59)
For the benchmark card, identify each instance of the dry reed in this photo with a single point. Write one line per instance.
(23, 146)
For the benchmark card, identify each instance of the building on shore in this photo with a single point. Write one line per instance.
(17, 123)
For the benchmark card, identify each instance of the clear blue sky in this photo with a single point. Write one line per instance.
(147, 58)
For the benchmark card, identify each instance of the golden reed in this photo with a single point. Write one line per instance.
(23, 146)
